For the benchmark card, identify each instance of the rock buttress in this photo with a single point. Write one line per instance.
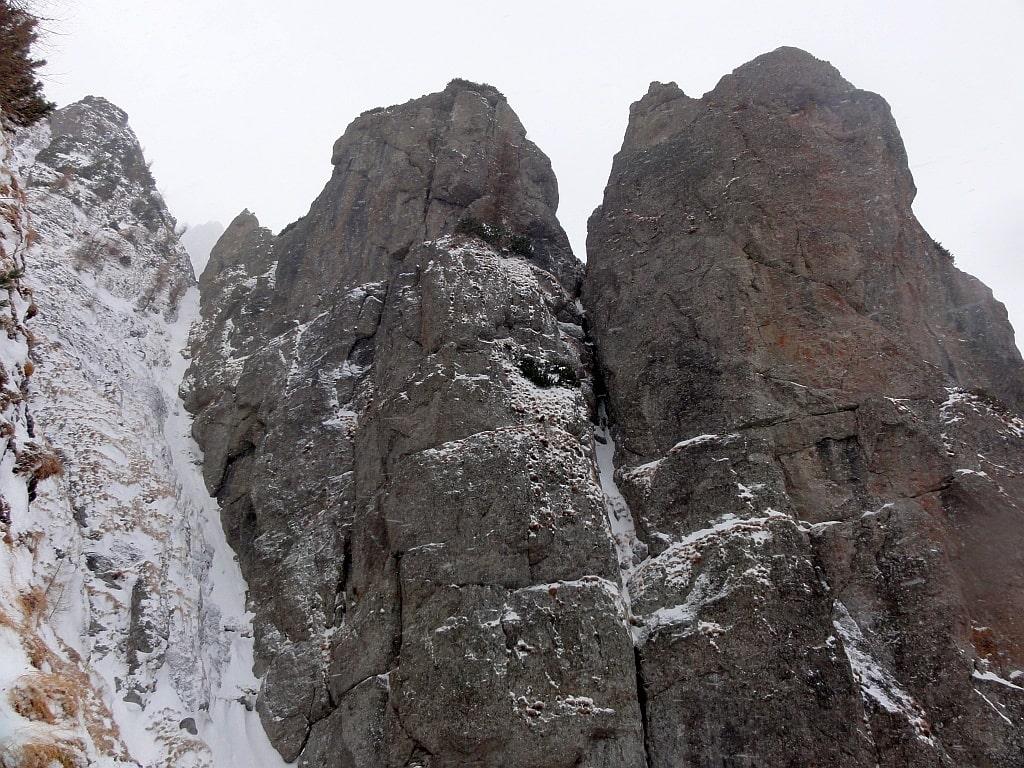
(817, 418)
(393, 396)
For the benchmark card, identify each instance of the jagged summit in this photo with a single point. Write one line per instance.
(244, 221)
(236, 246)
(100, 105)
(484, 89)
(790, 123)
(657, 115)
(91, 147)
(784, 67)
(87, 154)
(415, 171)
(455, 86)
(660, 92)
(95, 121)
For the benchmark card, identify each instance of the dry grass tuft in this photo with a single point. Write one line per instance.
(50, 465)
(33, 604)
(40, 755)
(9, 398)
(64, 690)
(7, 621)
(30, 702)
(39, 462)
(46, 698)
(59, 696)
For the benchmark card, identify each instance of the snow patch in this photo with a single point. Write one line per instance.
(628, 547)
(876, 683)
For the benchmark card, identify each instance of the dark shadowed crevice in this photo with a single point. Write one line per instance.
(641, 696)
(397, 640)
(603, 418)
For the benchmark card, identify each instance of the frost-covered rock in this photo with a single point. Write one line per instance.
(49, 708)
(759, 506)
(795, 542)
(142, 596)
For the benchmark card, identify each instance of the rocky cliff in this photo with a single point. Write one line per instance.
(41, 713)
(394, 400)
(819, 437)
(745, 493)
(758, 506)
(125, 637)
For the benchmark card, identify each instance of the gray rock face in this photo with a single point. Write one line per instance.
(809, 553)
(394, 401)
(818, 430)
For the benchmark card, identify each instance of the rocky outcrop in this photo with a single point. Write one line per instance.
(819, 437)
(394, 400)
(759, 506)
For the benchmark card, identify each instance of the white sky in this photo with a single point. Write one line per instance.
(238, 103)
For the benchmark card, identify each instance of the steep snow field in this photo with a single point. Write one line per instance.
(230, 727)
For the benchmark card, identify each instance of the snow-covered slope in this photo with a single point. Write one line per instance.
(47, 713)
(131, 585)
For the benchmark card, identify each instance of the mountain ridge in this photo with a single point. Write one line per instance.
(743, 489)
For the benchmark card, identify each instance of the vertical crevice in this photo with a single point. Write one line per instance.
(621, 522)
(641, 697)
(622, 527)
(399, 634)
(340, 589)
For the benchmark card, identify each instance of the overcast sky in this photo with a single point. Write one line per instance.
(238, 103)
